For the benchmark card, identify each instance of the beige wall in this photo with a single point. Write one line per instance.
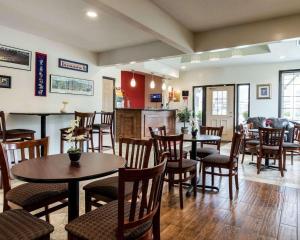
(148, 90)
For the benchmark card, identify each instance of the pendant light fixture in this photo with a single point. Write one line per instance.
(132, 82)
(152, 83)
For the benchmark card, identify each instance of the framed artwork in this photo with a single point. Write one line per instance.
(71, 65)
(263, 91)
(176, 97)
(5, 81)
(40, 82)
(70, 85)
(15, 58)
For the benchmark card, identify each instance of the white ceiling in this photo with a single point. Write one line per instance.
(65, 21)
(200, 15)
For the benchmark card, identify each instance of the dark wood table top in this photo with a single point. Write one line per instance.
(58, 168)
(44, 113)
(200, 138)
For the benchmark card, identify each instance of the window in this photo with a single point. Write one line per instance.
(219, 103)
(198, 103)
(243, 95)
(289, 104)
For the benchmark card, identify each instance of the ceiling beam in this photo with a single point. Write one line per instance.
(138, 53)
(148, 17)
(252, 33)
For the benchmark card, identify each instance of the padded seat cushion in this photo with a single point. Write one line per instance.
(252, 142)
(186, 163)
(102, 223)
(205, 151)
(291, 145)
(184, 153)
(216, 158)
(268, 148)
(29, 194)
(19, 224)
(108, 187)
(19, 131)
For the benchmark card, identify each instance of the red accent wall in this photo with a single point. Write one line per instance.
(136, 94)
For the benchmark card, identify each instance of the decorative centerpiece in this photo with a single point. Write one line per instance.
(194, 130)
(269, 123)
(74, 152)
(184, 116)
(64, 107)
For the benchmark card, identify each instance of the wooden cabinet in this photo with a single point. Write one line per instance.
(135, 123)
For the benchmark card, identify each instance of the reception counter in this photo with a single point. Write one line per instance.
(135, 123)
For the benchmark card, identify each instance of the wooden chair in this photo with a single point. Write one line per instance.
(293, 147)
(13, 134)
(19, 224)
(249, 141)
(224, 162)
(30, 196)
(138, 218)
(105, 128)
(137, 154)
(162, 131)
(185, 169)
(85, 128)
(270, 146)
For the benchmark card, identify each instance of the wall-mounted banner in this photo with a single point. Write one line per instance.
(40, 74)
(67, 64)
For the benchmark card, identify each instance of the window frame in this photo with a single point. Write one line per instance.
(237, 100)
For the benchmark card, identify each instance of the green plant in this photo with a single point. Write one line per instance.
(245, 115)
(72, 137)
(184, 115)
(199, 115)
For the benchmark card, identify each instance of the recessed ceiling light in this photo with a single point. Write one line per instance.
(282, 57)
(92, 14)
(183, 67)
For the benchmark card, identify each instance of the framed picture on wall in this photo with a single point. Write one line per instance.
(71, 85)
(72, 65)
(263, 91)
(15, 58)
(5, 81)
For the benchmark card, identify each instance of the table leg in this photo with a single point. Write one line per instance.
(73, 208)
(194, 150)
(43, 130)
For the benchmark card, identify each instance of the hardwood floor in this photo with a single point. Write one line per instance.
(258, 211)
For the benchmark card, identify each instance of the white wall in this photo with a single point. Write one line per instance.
(253, 74)
(20, 98)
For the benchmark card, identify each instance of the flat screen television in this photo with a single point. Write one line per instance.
(155, 97)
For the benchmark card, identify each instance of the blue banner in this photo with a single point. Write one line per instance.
(40, 74)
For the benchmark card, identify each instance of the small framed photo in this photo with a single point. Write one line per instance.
(5, 81)
(263, 91)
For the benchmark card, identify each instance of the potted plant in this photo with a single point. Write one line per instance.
(194, 124)
(72, 137)
(184, 116)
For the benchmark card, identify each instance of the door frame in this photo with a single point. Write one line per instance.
(237, 99)
(204, 87)
(114, 91)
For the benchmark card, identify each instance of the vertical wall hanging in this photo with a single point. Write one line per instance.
(40, 74)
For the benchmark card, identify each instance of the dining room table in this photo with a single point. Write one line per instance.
(59, 169)
(199, 138)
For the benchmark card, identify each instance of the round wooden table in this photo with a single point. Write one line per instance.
(193, 155)
(59, 169)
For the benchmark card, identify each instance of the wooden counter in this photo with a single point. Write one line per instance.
(135, 123)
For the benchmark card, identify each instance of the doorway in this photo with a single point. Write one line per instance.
(108, 94)
(214, 106)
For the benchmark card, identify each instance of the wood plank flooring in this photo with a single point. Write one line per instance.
(258, 211)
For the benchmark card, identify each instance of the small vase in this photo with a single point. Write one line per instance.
(194, 133)
(184, 130)
(74, 157)
(64, 107)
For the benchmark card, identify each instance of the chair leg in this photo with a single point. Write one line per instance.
(236, 178)
(195, 183)
(203, 178)
(292, 158)
(92, 142)
(101, 140)
(156, 225)
(180, 191)
(112, 137)
(230, 184)
(258, 164)
(212, 176)
(88, 202)
(47, 214)
(243, 157)
(280, 166)
(284, 159)
(61, 145)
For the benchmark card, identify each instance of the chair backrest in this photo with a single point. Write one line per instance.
(107, 118)
(137, 152)
(145, 197)
(161, 131)
(173, 144)
(215, 131)
(296, 136)
(2, 126)
(235, 147)
(30, 148)
(86, 119)
(270, 139)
